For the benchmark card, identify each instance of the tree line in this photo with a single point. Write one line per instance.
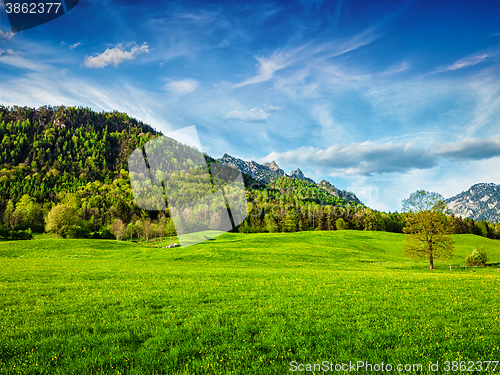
(65, 170)
(107, 211)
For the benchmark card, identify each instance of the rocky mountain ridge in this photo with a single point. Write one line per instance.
(339, 193)
(480, 202)
(269, 172)
(265, 173)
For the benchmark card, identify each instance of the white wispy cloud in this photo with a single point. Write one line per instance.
(308, 54)
(356, 158)
(253, 115)
(75, 45)
(267, 67)
(367, 158)
(402, 102)
(190, 33)
(7, 52)
(271, 108)
(114, 56)
(182, 87)
(473, 59)
(6, 35)
(297, 84)
(396, 68)
(487, 110)
(337, 13)
(17, 60)
(330, 130)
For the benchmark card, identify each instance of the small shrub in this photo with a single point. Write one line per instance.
(245, 228)
(21, 234)
(4, 232)
(76, 231)
(95, 236)
(477, 258)
(107, 235)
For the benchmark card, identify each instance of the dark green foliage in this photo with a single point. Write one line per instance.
(4, 232)
(76, 231)
(15, 235)
(106, 234)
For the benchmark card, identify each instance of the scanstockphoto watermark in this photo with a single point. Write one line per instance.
(204, 199)
(316, 210)
(358, 366)
(364, 366)
(366, 191)
(318, 207)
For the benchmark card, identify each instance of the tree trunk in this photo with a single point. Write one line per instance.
(431, 260)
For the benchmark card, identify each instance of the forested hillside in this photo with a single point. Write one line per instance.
(65, 170)
(48, 150)
(65, 155)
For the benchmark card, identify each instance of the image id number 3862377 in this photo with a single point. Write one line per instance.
(32, 8)
(470, 366)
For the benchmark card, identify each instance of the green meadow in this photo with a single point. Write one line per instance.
(243, 304)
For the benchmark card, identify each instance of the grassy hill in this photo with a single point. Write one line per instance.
(241, 304)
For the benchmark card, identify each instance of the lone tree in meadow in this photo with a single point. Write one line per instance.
(426, 232)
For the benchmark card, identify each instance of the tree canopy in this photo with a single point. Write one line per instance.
(427, 235)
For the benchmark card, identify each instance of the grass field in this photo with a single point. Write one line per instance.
(242, 304)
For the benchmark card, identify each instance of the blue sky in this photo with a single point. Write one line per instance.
(379, 98)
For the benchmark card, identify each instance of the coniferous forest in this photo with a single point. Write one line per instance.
(64, 170)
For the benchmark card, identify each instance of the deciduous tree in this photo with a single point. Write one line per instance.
(60, 218)
(119, 229)
(426, 233)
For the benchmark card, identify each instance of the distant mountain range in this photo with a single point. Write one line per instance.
(480, 202)
(265, 173)
(269, 172)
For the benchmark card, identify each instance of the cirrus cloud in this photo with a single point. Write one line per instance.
(75, 45)
(6, 35)
(183, 86)
(476, 58)
(253, 115)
